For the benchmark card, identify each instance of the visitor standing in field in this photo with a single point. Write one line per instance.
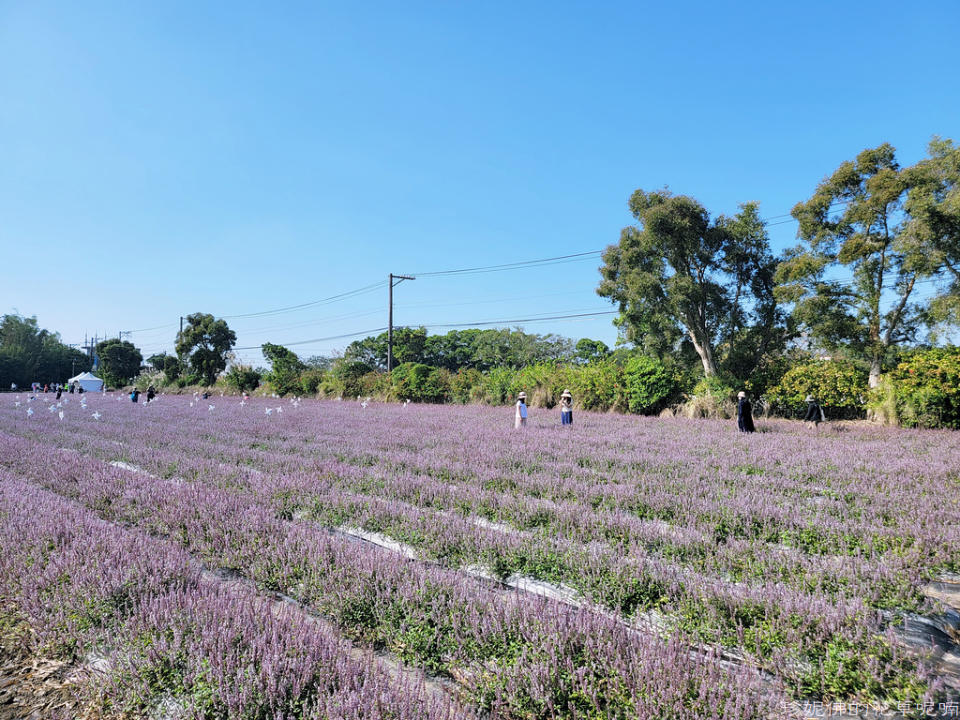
(520, 418)
(566, 408)
(744, 414)
(814, 412)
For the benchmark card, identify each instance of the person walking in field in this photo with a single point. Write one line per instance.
(814, 412)
(744, 414)
(520, 418)
(566, 408)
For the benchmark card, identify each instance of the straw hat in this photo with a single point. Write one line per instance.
(741, 394)
(566, 393)
(522, 396)
(810, 398)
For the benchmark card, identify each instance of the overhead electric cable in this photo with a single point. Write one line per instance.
(290, 308)
(316, 340)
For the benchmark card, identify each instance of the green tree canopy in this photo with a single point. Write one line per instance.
(158, 361)
(856, 224)
(933, 206)
(587, 350)
(471, 348)
(285, 367)
(29, 354)
(203, 346)
(120, 361)
(676, 274)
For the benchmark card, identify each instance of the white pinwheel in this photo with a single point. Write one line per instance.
(96, 415)
(29, 411)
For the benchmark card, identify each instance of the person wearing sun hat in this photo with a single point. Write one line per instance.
(814, 411)
(744, 414)
(520, 419)
(566, 408)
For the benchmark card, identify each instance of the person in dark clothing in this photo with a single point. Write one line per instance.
(151, 394)
(814, 411)
(59, 391)
(71, 388)
(744, 414)
(135, 395)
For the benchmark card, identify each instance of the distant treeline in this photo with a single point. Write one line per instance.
(30, 354)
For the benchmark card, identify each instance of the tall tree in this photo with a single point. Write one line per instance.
(285, 367)
(855, 223)
(29, 353)
(203, 346)
(676, 273)
(120, 361)
(22, 341)
(933, 204)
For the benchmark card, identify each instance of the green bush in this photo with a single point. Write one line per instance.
(378, 385)
(466, 386)
(925, 388)
(712, 397)
(498, 386)
(598, 386)
(343, 380)
(172, 368)
(310, 380)
(242, 377)
(421, 383)
(648, 385)
(839, 386)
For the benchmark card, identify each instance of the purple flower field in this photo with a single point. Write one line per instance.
(328, 560)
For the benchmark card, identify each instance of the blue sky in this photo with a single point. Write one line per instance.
(159, 159)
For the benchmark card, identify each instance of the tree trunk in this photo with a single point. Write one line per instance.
(706, 356)
(874, 378)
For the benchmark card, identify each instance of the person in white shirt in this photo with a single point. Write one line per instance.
(520, 418)
(566, 408)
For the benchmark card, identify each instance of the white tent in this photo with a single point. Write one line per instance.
(89, 382)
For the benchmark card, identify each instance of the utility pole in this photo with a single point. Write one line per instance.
(399, 279)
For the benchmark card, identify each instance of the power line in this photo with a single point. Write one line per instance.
(507, 266)
(316, 340)
(519, 320)
(156, 327)
(322, 301)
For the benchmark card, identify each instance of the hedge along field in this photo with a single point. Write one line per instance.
(778, 566)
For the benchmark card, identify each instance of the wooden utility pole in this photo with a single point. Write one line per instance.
(399, 279)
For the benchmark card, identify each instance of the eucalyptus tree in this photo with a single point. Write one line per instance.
(933, 204)
(678, 274)
(853, 280)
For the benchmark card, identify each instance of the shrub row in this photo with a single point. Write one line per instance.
(922, 390)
